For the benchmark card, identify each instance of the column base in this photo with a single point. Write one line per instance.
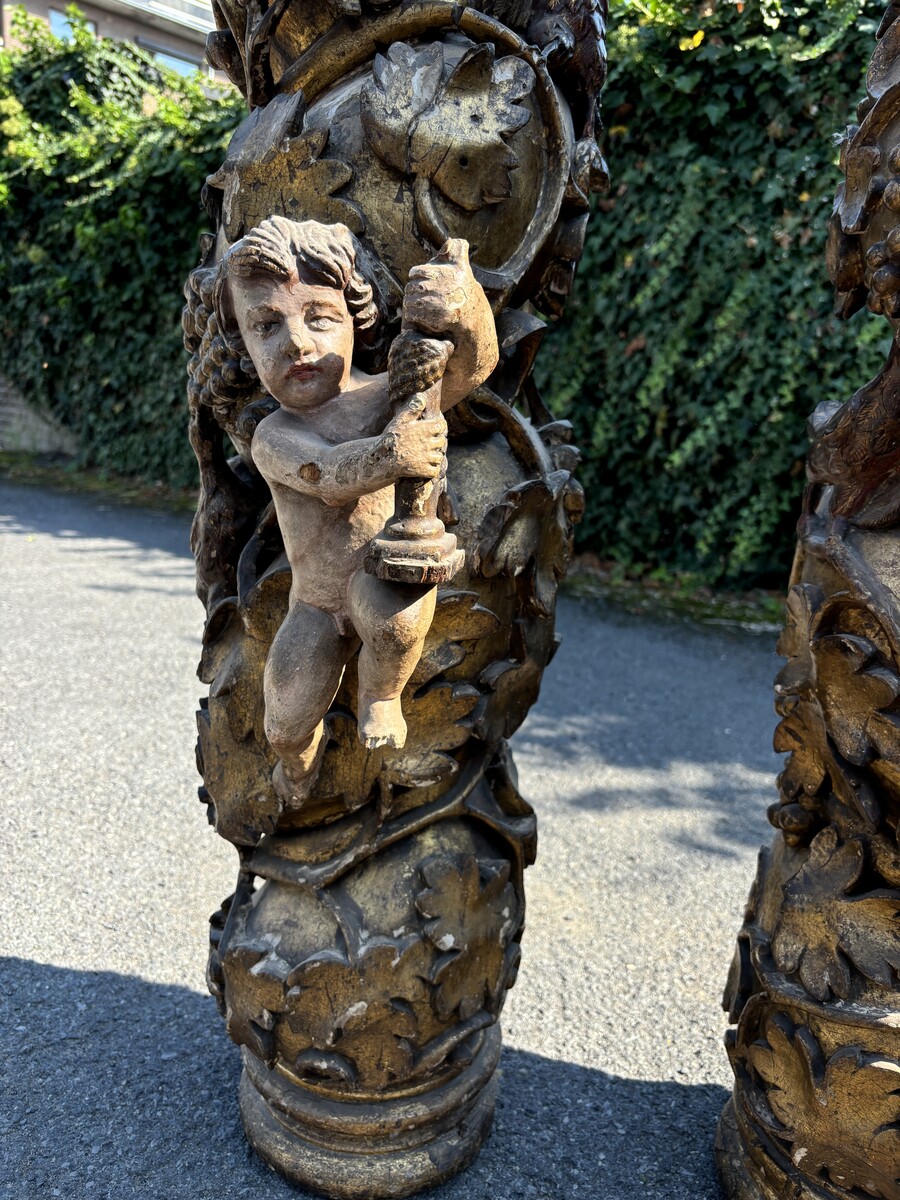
(368, 1149)
(748, 1172)
(732, 1165)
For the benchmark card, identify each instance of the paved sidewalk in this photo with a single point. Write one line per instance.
(647, 759)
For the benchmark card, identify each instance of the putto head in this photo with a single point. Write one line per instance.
(327, 255)
(293, 299)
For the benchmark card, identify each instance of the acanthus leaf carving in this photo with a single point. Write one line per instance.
(824, 930)
(473, 916)
(839, 1116)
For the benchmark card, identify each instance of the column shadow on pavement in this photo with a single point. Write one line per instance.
(114, 1087)
(636, 714)
(32, 509)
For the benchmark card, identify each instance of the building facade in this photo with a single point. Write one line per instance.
(174, 31)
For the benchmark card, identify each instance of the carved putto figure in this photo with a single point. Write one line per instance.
(293, 296)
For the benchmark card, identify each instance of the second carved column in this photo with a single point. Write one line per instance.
(815, 1113)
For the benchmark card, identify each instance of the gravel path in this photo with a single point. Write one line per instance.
(647, 759)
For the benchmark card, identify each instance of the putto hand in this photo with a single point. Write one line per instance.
(437, 292)
(417, 446)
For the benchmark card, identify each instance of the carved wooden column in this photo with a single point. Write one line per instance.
(362, 962)
(814, 986)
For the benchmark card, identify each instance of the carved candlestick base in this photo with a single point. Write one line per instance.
(400, 559)
(815, 1113)
(414, 547)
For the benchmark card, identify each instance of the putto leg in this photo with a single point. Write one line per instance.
(392, 620)
(302, 674)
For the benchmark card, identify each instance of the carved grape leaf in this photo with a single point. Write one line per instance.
(438, 721)
(460, 143)
(273, 166)
(835, 694)
(458, 618)
(452, 132)
(473, 916)
(254, 985)
(858, 195)
(857, 450)
(823, 931)
(741, 982)
(503, 777)
(360, 1016)
(852, 687)
(528, 535)
(349, 771)
(846, 263)
(814, 764)
(508, 680)
(237, 777)
(801, 733)
(798, 674)
(514, 683)
(841, 1117)
(405, 83)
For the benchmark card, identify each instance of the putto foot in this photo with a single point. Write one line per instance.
(381, 724)
(293, 790)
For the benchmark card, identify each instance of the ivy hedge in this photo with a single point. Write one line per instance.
(699, 335)
(102, 157)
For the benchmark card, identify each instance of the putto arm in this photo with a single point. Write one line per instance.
(333, 474)
(339, 474)
(475, 351)
(444, 299)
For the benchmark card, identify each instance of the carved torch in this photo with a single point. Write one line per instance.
(414, 547)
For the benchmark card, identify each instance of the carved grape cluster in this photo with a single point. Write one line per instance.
(882, 274)
(219, 376)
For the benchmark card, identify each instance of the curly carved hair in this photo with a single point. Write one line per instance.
(328, 255)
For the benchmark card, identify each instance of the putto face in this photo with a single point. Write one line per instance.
(299, 336)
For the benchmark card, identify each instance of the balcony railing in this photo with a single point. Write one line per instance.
(194, 14)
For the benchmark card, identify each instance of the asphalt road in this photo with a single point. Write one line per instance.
(647, 758)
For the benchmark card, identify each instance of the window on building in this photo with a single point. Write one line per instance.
(61, 26)
(184, 66)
